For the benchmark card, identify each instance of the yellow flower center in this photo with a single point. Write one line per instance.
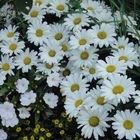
(60, 7)
(82, 41)
(34, 13)
(27, 60)
(118, 89)
(121, 46)
(64, 47)
(100, 100)
(77, 21)
(49, 66)
(74, 87)
(6, 67)
(84, 55)
(39, 2)
(110, 68)
(39, 33)
(78, 103)
(13, 47)
(10, 34)
(52, 53)
(90, 8)
(92, 70)
(125, 58)
(94, 121)
(102, 35)
(58, 36)
(128, 124)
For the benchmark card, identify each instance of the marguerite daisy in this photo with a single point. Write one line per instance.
(81, 39)
(126, 124)
(12, 47)
(84, 58)
(51, 52)
(38, 32)
(7, 65)
(118, 88)
(58, 7)
(9, 33)
(76, 21)
(128, 55)
(74, 102)
(72, 83)
(110, 66)
(26, 59)
(103, 35)
(92, 123)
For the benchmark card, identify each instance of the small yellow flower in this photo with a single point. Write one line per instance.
(25, 138)
(60, 125)
(62, 132)
(18, 129)
(41, 138)
(48, 134)
(63, 114)
(32, 138)
(56, 121)
(37, 126)
(42, 129)
(69, 119)
(36, 130)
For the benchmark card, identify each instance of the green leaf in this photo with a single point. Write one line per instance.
(4, 90)
(21, 5)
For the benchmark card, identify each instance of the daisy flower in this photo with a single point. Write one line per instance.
(72, 83)
(58, 7)
(38, 32)
(96, 101)
(92, 7)
(110, 66)
(47, 68)
(74, 102)
(50, 99)
(81, 39)
(76, 21)
(118, 88)
(90, 72)
(128, 55)
(84, 58)
(51, 52)
(103, 35)
(58, 32)
(92, 123)
(26, 59)
(122, 43)
(35, 14)
(9, 33)
(12, 47)
(66, 48)
(7, 65)
(126, 124)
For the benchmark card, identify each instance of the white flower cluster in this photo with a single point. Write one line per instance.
(70, 55)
